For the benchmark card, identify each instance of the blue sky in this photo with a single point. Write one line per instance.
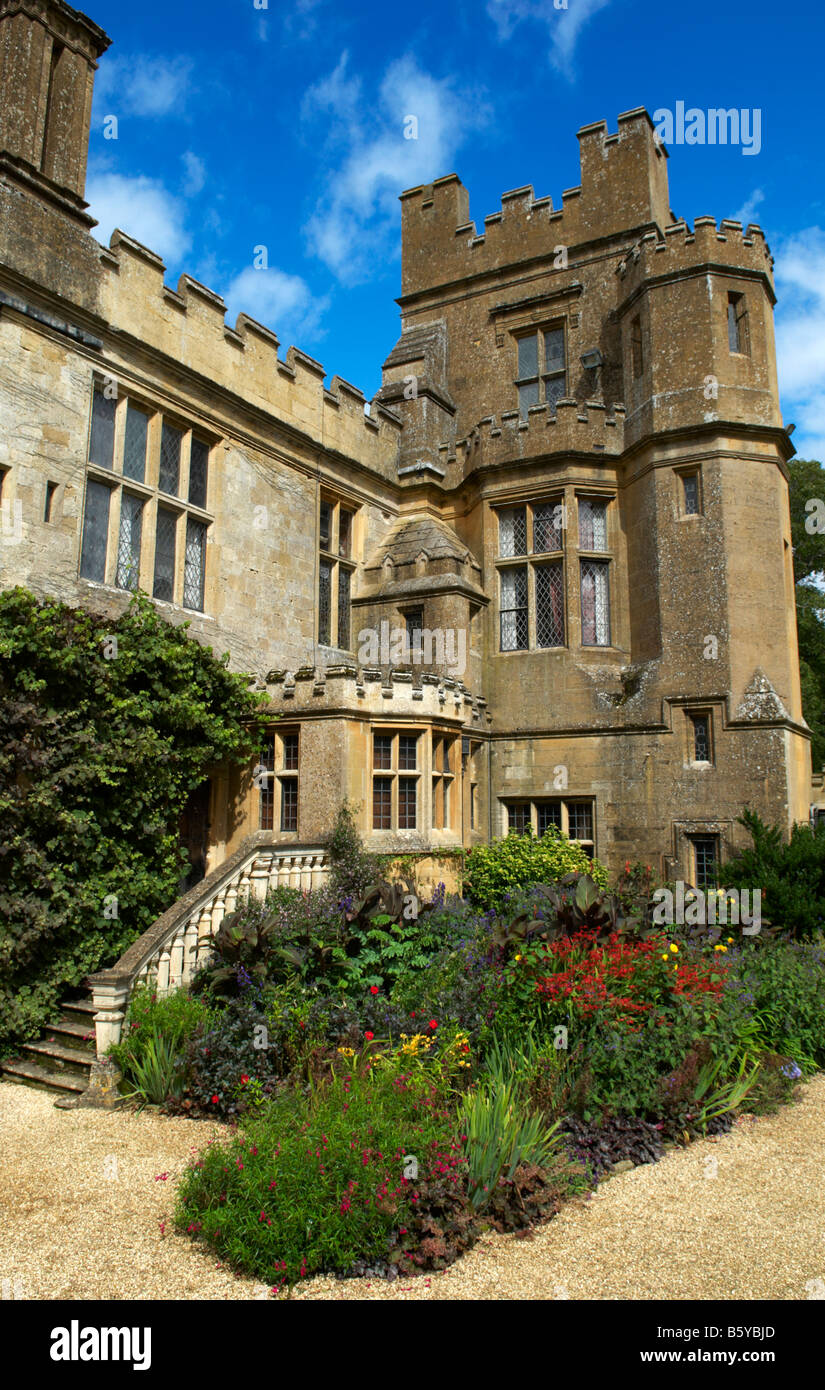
(249, 124)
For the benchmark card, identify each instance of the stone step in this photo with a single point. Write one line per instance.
(78, 1006)
(28, 1074)
(78, 1032)
(70, 1058)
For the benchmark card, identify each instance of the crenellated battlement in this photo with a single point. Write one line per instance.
(188, 324)
(623, 188)
(681, 248)
(375, 690)
(573, 428)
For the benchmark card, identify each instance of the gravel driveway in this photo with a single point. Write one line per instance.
(84, 1213)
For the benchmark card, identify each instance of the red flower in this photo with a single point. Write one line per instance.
(214, 1100)
(369, 1036)
(432, 1023)
(373, 989)
(244, 1078)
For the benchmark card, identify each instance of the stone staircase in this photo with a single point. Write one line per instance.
(60, 1060)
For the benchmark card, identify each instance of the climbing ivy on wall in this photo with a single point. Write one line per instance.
(106, 726)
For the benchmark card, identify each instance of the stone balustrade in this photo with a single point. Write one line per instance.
(167, 955)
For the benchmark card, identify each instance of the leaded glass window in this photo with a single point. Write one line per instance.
(128, 546)
(595, 604)
(701, 738)
(95, 531)
(164, 580)
(514, 609)
(169, 474)
(344, 586)
(198, 468)
(408, 752)
(324, 601)
(592, 524)
(549, 605)
(690, 486)
(102, 438)
(542, 370)
(193, 565)
(134, 443)
(547, 526)
(512, 531)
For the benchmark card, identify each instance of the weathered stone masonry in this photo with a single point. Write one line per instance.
(574, 473)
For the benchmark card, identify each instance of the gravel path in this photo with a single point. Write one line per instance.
(738, 1216)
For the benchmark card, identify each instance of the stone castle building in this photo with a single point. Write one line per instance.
(545, 578)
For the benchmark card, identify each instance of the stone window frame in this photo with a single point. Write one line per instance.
(738, 322)
(278, 771)
(681, 474)
(395, 774)
(531, 560)
(563, 803)
(444, 752)
(604, 557)
(150, 495)
(542, 377)
(692, 713)
(685, 832)
(337, 562)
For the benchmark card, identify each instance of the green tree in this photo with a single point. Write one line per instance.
(807, 484)
(107, 726)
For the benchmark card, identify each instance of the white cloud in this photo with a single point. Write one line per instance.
(194, 174)
(301, 19)
(800, 336)
(142, 84)
(356, 221)
(337, 95)
(143, 209)
(282, 302)
(564, 23)
(745, 214)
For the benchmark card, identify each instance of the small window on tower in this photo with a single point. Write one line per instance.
(738, 330)
(700, 729)
(690, 493)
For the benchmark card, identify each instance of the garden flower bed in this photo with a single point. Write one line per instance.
(399, 1083)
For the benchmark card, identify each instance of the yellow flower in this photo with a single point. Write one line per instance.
(346, 1051)
(665, 957)
(518, 957)
(674, 947)
(720, 948)
(730, 938)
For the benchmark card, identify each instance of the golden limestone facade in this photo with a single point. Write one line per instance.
(545, 578)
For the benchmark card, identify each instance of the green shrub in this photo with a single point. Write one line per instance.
(782, 984)
(153, 1041)
(791, 875)
(101, 747)
(497, 871)
(315, 1183)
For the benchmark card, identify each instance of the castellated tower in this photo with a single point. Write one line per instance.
(569, 498)
(596, 411)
